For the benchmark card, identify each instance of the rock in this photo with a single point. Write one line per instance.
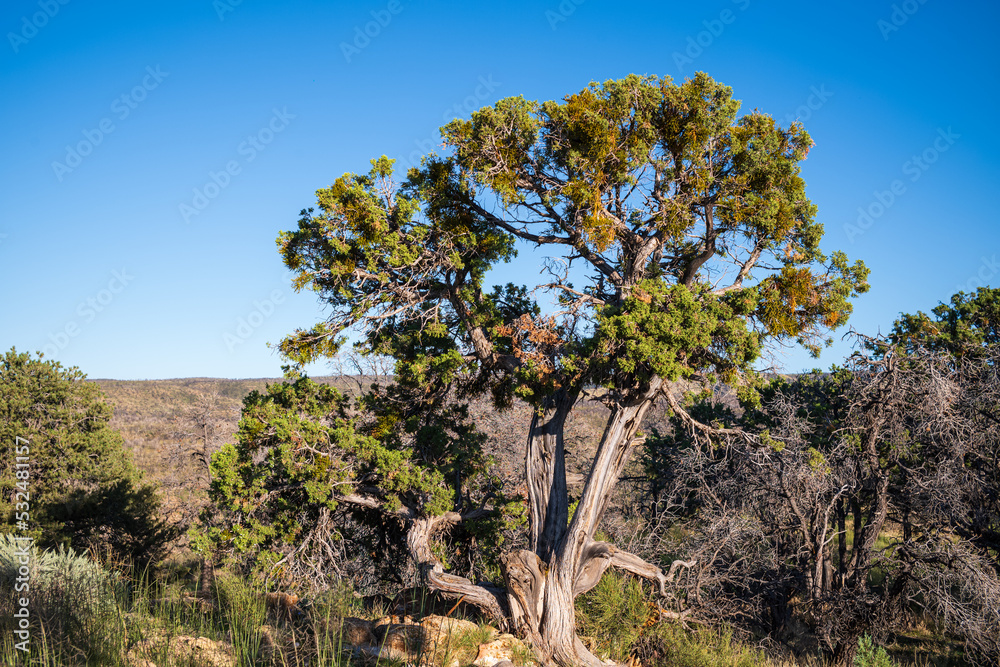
(183, 650)
(393, 620)
(501, 649)
(439, 628)
(282, 605)
(441, 640)
(400, 641)
(357, 631)
(203, 651)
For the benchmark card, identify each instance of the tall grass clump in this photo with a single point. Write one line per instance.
(244, 609)
(674, 645)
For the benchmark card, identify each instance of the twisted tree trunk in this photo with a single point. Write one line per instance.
(563, 560)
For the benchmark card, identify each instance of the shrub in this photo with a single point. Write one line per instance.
(74, 602)
(870, 655)
(613, 615)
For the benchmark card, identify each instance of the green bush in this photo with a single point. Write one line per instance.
(870, 655)
(85, 490)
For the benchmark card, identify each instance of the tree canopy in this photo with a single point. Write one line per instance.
(675, 241)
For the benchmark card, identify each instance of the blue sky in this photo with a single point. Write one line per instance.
(152, 151)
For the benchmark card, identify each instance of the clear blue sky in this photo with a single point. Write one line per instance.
(115, 113)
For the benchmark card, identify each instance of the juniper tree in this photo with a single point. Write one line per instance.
(680, 245)
(80, 483)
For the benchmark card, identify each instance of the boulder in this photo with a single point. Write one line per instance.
(393, 620)
(501, 649)
(398, 641)
(184, 649)
(357, 631)
(440, 628)
(442, 645)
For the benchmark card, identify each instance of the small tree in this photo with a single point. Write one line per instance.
(967, 330)
(681, 244)
(84, 489)
(310, 485)
(968, 324)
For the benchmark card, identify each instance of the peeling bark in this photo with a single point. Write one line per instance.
(542, 610)
(545, 472)
(599, 556)
(565, 561)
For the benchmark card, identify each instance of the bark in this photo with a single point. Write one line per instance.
(841, 542)
(487, 598)
(545, 473)
(206, 578)
(541, 607)
(564, 560)
(543, 582)
(864, 542)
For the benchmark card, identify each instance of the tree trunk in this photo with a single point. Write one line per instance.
(565, 561)
(841, 542)
(545, 474)
(487, 598)
(205, 579)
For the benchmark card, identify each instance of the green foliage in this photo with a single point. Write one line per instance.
(673, 332)
(871, 655)
(301, 450)
(75, 599)
(668, 644)
(80, 582)
(613, 615)
(244, 612)
(658, 187)
(620, 621)
(965, 325)
(84, 489)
